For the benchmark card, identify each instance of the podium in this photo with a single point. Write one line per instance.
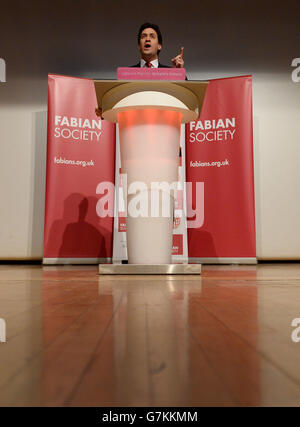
(150, 114)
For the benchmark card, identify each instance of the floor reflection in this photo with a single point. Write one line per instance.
(76, 338)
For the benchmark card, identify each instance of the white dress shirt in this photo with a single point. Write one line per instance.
(154, 63)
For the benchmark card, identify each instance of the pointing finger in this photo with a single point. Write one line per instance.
(181, 51)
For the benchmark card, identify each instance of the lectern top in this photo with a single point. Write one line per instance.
(190, 93)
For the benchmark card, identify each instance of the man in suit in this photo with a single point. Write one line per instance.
(150, 45)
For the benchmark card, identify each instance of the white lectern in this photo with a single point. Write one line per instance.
(149, 114)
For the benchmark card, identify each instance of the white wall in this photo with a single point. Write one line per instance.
(22, 184)
(82, 39)
(277, 172)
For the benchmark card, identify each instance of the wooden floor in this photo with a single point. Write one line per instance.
(74, 338)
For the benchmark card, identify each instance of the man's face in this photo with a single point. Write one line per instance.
(149, 45)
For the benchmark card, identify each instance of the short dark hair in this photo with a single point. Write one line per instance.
(154, 27)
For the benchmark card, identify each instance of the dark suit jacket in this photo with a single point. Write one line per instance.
(159, 66)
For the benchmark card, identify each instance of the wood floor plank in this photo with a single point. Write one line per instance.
(120, 364)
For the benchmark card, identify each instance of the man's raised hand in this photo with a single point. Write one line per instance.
(178, 61)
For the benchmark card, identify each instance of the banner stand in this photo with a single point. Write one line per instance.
(219, 154)
(223, 260)
(80, 167)
(64, 261)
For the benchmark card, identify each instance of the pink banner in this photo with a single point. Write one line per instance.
(80, 156)
(220, 154)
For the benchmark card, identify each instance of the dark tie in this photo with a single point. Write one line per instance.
(149, 65)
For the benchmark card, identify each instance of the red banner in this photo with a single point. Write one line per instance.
(80, 156)
(220, 154)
